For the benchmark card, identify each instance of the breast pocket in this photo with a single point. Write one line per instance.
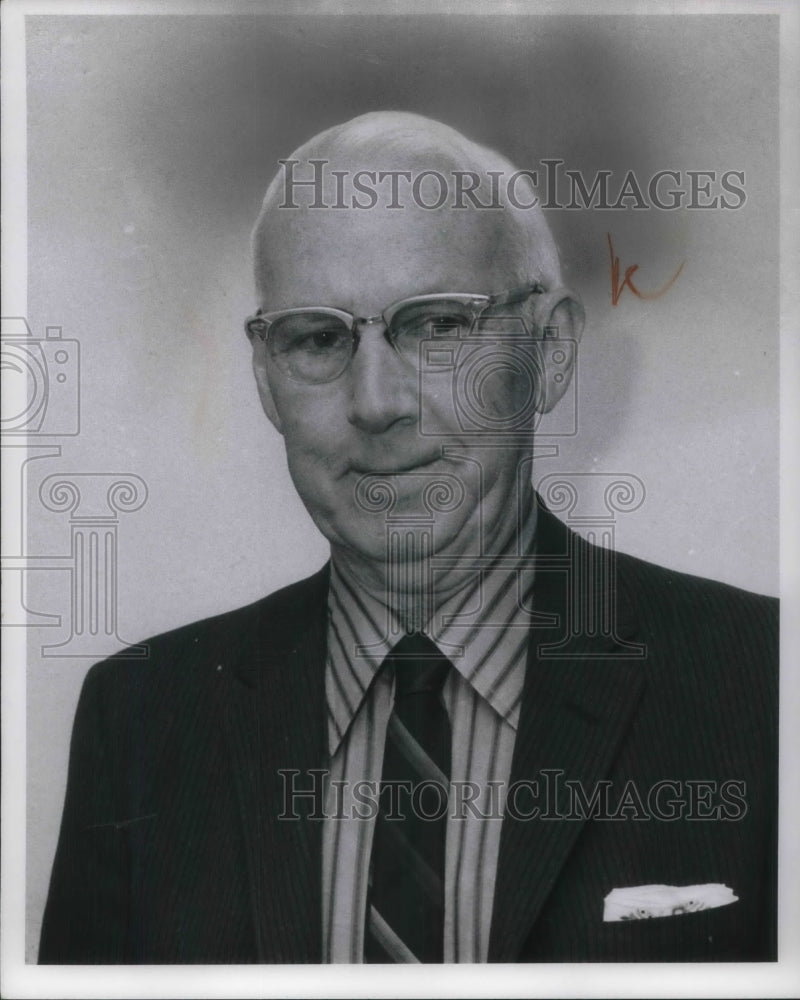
(719, 934)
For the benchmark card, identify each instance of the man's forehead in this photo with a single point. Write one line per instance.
(363, 259)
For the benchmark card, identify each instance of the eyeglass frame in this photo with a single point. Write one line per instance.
(479, 303)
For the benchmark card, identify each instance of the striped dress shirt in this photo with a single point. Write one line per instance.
(483, 629)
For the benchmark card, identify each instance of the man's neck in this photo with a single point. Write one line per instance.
(415, 588)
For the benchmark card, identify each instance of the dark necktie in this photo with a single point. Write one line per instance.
(405, 904)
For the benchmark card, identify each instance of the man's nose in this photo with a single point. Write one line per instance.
(383, 385)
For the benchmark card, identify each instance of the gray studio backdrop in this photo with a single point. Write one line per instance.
(150, 142)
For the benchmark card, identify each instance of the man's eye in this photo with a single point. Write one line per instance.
(322, 340)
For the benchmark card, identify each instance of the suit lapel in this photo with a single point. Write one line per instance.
(579, 698)
(274, 722)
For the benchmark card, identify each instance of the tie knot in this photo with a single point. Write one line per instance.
(419, 665)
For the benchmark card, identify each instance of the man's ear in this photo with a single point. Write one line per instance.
(559, 318)
(262, 381)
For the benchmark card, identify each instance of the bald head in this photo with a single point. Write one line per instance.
(407, 190)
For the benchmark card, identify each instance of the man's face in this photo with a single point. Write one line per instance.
(381, 417)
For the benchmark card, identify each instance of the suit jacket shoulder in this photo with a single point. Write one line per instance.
(655, 588)
(241, 638)
(721, 638)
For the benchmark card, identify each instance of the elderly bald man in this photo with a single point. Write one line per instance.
(411, 756)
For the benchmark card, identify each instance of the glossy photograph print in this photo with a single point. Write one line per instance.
(393, 562)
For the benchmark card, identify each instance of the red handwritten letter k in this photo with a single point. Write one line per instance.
(617, 288)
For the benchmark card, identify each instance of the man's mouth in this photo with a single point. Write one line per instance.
(395, 468)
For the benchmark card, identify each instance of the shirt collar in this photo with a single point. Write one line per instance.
(483, 629)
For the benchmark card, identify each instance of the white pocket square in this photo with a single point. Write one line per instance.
(638, 902)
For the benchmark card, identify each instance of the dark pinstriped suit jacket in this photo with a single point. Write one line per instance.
(171, 849)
